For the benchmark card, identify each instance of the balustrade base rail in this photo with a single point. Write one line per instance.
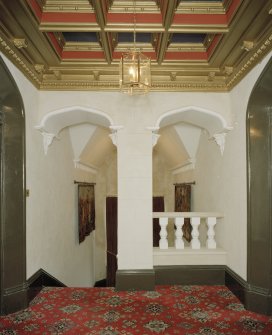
(188, 256)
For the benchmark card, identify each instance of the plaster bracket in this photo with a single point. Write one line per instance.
(155, 136)
(47, 138)
(113, 136)
(220, 140)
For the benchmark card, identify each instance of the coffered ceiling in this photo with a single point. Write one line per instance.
(199, 45)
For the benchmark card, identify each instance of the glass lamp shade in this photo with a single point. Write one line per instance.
(135, 76)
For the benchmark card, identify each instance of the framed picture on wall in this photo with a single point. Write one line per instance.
(86, 210)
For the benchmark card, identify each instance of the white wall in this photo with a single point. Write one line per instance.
(221, 180)
(106, 185)
(51, 230)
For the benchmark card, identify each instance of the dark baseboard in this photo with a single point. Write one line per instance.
(258, 300)
(14, 299)
(236, 284)
(101, 283)
(135, 280)
(39, 280)
(255, 299)
(190, 275)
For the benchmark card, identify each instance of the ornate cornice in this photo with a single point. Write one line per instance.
(172, 76)
(250, 62)
(15, 56)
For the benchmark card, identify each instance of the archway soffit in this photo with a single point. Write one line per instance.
(53, 122)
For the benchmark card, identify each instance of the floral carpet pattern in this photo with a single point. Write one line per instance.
(182, 310)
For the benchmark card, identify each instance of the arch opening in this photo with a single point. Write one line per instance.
(259, 177)
(53, 122)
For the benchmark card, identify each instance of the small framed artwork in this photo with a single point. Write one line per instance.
(86, 210)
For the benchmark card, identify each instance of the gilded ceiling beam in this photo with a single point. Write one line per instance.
(164, 39)
(101, 19)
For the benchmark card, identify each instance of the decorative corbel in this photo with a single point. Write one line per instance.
(247, 45)
(211, 76)
(96, 75)
(228, 70)
(47, 138)
(220, 140)
(40, 68)
(155, 136)
(20, 43)
(113, 136)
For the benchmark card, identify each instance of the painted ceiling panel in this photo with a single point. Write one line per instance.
(187, 38)
(194, 45)
(140, 37)
(82, 36)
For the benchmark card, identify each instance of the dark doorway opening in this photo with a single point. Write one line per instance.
(259, 173)
(13, 235)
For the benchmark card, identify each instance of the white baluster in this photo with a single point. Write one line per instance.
(211, 243)
(179, 244)
(195, 243)
(163, 233)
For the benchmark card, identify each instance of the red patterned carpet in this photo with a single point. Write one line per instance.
(188, 310)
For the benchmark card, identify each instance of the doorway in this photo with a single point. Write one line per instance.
(112, 226)
(259, 181)
(13, 235)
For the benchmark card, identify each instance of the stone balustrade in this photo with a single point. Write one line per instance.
(196, 219)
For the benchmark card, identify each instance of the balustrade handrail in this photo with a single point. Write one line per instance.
(157, 215)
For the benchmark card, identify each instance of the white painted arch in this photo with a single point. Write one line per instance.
(53, 122)
(214, 123)
(203, 118)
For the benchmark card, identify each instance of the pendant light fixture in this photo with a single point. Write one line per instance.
(135, 74)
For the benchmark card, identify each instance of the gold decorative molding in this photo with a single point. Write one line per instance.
(40, 68)
(128, 7)
(173, 76)
(250, 62)
(96, 75)
(228, 70)
(20, 43)
(67, 6)
(247, 45)
(217, 64)
(19, 62)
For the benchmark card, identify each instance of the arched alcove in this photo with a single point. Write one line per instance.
(94, 156)
(53, 122)
(213, 122)
(204, 119)
(259, 162)
(13, 237)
